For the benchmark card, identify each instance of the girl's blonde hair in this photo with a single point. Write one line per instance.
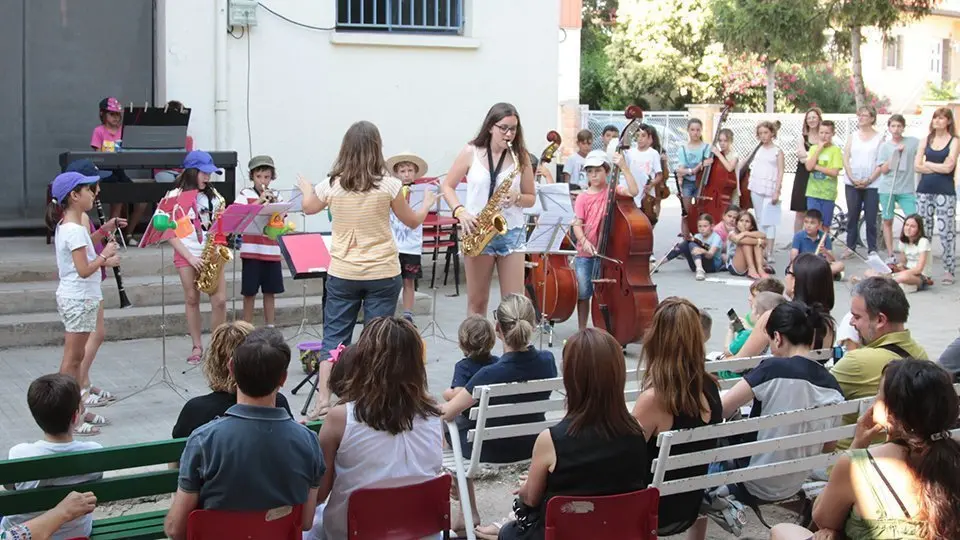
(476, 336)
(224, 341)
(516, 317)
(773, 127)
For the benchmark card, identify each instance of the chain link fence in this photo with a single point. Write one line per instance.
(672, 127)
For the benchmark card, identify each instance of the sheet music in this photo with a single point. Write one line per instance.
(555, 199)
(263, 216)
(461, 196)
(293, 196)
(549, 233)
(877, 265)
(417, 191)
(771, 215)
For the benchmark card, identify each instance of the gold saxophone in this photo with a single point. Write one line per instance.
(215, 254)
(490, 222)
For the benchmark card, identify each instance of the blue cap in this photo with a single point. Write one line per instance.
(86, 168)
(202, 161)
(66, 182)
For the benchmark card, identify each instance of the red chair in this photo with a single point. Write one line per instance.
(630, 516)
(400, 513)
(260, 525)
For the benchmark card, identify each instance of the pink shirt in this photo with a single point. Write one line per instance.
(590, 209)
(104, 140)
(721, 229)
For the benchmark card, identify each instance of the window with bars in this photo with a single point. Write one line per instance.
(402, 16)
(893, 52)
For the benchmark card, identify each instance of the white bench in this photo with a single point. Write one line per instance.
(666, 462)
(554, 408)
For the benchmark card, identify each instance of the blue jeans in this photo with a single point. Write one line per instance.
(869, 201)
(344, 298)
(685, 249)
(583, 266)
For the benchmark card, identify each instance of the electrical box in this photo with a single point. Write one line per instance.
(242, 13)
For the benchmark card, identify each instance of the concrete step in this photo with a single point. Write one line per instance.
(150, 290)
(28, 259)
(37, 329)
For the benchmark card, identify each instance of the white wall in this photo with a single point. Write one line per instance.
(426, 93)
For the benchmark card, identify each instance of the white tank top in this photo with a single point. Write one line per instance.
(763, 171)
(367, 457)
(863, 157)
(478, 189)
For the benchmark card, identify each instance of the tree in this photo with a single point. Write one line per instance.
(665, 49)
(790, 31)
(595, 72)
(851, 16)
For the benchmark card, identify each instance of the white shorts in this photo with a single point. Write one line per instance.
(79, 315)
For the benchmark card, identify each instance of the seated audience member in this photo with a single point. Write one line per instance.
(787, 381)
(43, 527)
(202, 409)
(950, 358)
(767, 284)
(476, 337)
(706, 323)
(343, 359)
(808, 280)
(746, 247)
(386, 431)
(702, 251)
(727, 225)
(906, 488)
(847, 337)
(597, 449)
(879, 311)
(54, 402)
(808, 239)
(915, 263)
(763, 303)
(228, 464)
(677, 393)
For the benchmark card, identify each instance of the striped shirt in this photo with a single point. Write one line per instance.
(257, 246)
(363, 247)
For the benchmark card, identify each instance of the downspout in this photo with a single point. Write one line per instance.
(220, 73)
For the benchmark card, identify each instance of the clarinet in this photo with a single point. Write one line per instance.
(124, 301)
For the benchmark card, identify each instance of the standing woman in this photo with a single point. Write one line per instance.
(811, 138)
(364, 265)
(483, 158)
(766, 180)
(936, 193)
(860, 162)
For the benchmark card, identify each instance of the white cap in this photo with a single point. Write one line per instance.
(597, 158)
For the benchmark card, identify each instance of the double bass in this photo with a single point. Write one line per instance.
(624, 297)
(550, 282)
(746, 202)
(716, 185)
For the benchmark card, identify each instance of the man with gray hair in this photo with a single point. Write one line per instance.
(879, 310)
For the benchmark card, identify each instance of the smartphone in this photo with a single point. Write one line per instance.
(735, 320)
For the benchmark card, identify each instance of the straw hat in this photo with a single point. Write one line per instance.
(421, 164)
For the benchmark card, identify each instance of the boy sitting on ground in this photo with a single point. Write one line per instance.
(808, 241)
(54, 402)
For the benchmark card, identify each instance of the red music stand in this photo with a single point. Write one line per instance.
(307, 257)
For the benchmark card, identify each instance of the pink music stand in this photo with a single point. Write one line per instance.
(184, 202)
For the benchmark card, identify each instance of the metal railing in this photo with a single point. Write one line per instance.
(410, 16)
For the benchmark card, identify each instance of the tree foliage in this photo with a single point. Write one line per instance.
(665, 49)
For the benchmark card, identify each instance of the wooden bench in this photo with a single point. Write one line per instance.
(159, 479)
(665, 461)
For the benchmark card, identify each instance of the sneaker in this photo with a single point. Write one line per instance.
(701, 275)
(873, 253)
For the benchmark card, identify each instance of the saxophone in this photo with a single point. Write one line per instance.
(215, 253)
(490, 222)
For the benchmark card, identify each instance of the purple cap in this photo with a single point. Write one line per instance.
(66, 182)
(202, 161)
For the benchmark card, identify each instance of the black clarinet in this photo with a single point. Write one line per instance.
(124, 301)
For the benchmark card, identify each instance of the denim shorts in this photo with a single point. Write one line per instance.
(584, 267)
(504, 244)
(79, 315)
(688, 187)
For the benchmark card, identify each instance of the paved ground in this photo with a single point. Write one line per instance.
(124, 367)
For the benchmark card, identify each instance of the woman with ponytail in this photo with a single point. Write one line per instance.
(908, 487)
(787, 381)
(515, 320)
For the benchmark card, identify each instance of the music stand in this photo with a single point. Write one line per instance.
(307, 257)
(182, 201)
(545, 239)
(432, 329)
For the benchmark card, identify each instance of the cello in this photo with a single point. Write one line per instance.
(550, 282)
(715, 186)
(746, 202)
(624, 297)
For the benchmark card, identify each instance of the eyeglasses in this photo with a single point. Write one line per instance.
(506, 129)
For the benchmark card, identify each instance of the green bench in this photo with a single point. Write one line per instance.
(145, 525)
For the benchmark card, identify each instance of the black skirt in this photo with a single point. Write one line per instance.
(798, 198)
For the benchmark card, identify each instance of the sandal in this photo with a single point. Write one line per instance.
(947, 279)
(86, 430)
(95, 419)
(94, 400)
(102, 393)
(318, 411)
(195, 358)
